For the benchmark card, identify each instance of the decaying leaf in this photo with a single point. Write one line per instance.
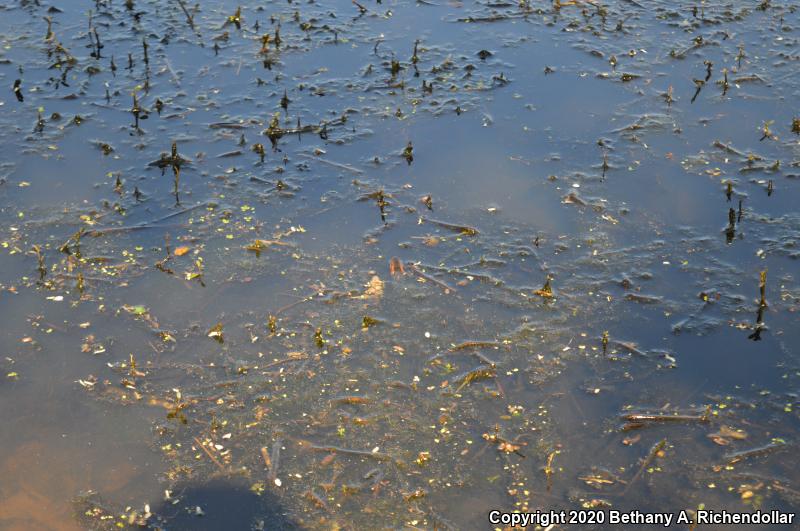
(396, 266)
(215, 333)
(374, 288)
(546, 291)
(725, 435)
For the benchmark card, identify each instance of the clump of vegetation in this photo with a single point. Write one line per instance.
(408, 153)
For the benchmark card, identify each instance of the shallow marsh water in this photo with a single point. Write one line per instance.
(243, 347)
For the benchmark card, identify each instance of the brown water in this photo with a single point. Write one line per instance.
(234, 339)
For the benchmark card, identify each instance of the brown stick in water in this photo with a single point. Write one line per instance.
(649, 459)
(209, 454)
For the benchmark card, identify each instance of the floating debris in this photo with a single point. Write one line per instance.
(637, 420)
(546, 291)
(215, 333)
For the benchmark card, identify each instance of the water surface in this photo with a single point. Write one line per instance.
(408, 262)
